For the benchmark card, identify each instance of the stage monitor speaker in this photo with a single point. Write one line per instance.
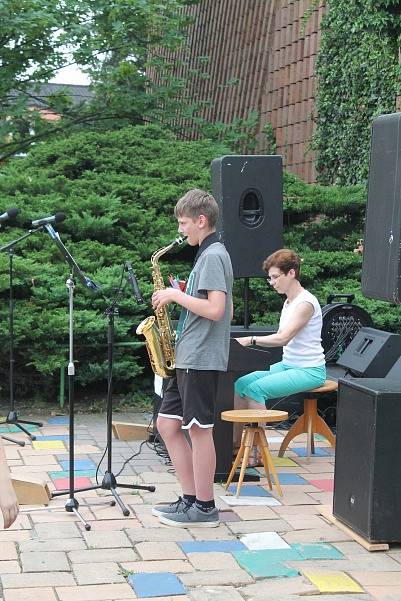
(371, 354)
(249, 191)
(367, 476)
(381, 268)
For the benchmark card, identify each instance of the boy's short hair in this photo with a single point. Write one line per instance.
(195, 203)
(284, 259)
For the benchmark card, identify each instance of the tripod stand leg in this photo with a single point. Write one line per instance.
(25, 421)
(18, 442)
(72, 507)
(123, 508)
(18, 425)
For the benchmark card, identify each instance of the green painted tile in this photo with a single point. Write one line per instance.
(77, 474)
(317, 551)
(267, 562)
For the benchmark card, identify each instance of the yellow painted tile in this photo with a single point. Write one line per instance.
(48, 444)
(284, 462)
(332, 582)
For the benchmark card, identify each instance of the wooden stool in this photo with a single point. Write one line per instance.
(254, 435)
(310, 422)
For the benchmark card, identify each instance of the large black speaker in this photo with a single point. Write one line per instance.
(381, 269)
(249, 191)
(371, 354)
(367, 477)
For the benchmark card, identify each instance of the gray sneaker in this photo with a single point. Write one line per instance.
(179, 505)
(191, 517)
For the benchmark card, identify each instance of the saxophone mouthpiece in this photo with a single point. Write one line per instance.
(180, 239)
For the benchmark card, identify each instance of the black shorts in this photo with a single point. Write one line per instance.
(190, 396)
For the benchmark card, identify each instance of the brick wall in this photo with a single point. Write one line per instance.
(261, 44)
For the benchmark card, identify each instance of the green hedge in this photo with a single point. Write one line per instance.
(118, 190)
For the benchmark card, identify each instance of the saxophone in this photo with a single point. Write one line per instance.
(157, 329)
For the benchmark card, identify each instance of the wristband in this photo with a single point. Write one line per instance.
(253, 341)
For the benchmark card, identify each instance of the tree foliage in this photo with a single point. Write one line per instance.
(358, 72)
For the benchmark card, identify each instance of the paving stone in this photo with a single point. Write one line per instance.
(217, 546)
(150, 551)
(328, 534)
(30, 594)
(351, 548)
(102, 555)
(139, 535)
(8, 551)
(9, 567)
(249, 490)
(63, 544)
(384, 593)
(216, 577)
(178, 566)
(264, 590)
(106, 540)
(264, 540)
(45, 561)
(41, 460)
(97, 573)
(374, 562)
(37, 580)
(255, 513)
(259, 526)
(222, 532)
(14, 535)
(159, 478)
(376, 578)
(317, 551)
(58, 530)
(305, 522)
(216, 593)
(107, 525)
(209, 561)
(95, 592)
(156, 584)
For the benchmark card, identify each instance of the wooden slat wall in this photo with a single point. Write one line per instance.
(260, 43)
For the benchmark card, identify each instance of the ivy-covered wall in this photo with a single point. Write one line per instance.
(358, 72)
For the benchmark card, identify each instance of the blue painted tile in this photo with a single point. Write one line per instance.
(317, 551)
(156, 584)
(77, 474)
(267, 564)
(319, 451)
(208, 546)
(79, 464)
(291, 479)
(59, 420)
(53, 437)
(249, 490)
(14, 429)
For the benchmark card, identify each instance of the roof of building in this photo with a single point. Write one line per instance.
(77, 93)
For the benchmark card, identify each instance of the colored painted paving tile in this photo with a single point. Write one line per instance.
(325, 485)
(206, 546)
(249, 490)
(77, 474)
(303, 452)
(59, 420)
(332, 582)
(284, 462)
(48, 444)
(267, 563)
(265, 540)
(79, 464)
(52, 437)
(291, 479)
(156, 584)
(12, 429)
(64, 483)
(317, 551)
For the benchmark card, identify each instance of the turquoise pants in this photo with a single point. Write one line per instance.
(281, 380)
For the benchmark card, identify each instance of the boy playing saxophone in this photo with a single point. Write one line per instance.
(201, 352)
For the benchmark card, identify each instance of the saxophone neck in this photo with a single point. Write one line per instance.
(162, 251)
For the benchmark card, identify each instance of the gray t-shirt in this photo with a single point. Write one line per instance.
(203, 344)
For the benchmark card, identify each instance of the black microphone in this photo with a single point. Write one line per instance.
(134, 284)
(53, 219)
(10, 214)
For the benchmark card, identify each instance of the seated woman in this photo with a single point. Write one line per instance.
(303, 364)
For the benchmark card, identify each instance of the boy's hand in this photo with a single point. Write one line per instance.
(8, 503)
(164, 297)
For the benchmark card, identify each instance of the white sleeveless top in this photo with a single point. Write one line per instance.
(305, 349)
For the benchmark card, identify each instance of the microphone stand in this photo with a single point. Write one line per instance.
(12, 417)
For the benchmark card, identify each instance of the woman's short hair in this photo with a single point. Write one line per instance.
(284, 259)
(195, 203)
